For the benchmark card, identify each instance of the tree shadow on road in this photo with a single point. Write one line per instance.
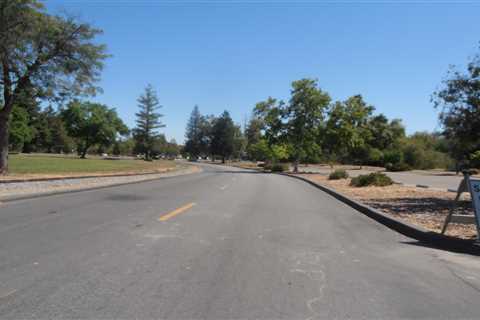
(420, 206)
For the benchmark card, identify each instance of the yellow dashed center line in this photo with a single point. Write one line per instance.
(175, 212)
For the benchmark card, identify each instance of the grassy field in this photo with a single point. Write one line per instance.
(41, 164)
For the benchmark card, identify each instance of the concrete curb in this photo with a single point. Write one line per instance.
(59, 192)
(411, 231)
(83, 177)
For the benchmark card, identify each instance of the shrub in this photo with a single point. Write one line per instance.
(280, 167)
(375, 157)
(402, 166)
(393, 156)
(373, 179)
(338, 174)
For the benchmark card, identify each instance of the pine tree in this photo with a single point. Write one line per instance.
(148, 121)
(195, 135)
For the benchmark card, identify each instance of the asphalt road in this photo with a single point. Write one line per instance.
(224, 243)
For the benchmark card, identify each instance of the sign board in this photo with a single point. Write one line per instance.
(474, 186)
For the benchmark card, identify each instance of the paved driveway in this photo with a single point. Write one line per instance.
(221, 244)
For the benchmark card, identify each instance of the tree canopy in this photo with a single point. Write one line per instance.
(55, 56)
(92, 124)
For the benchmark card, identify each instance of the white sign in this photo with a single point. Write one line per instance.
(474, 186)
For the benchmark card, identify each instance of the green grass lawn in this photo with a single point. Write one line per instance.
(32, 164)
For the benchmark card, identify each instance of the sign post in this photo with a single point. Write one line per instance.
(474, 187)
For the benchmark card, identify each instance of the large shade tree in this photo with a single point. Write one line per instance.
(304, 117)
(56, 56)
(459, 104)
(92, 124)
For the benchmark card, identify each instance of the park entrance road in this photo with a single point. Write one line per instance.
(224, 243)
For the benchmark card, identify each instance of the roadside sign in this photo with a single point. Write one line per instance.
(474, 186)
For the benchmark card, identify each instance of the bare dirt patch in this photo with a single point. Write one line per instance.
(423, 207)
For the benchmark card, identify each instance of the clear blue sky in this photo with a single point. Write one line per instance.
(232, 54)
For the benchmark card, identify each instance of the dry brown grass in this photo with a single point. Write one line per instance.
(424, 207)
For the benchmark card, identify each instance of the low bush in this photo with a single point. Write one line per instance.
(373, 179)
(280, 167)
(395, 167)
(338, 174)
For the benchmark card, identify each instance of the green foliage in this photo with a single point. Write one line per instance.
(375, 157)
(20, 132)
(223, 136)
(280, 167)
(259, 151)
(148, 122)
(197, 135)
(92, 124)
(338, 174)
(459, 104)
(347, 131)
(277, 167)
(395, 167)
(475, 159)
(373, 179)
(304, 116)
(52, 56)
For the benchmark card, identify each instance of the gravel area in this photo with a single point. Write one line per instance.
(8, 190)
(424, 207)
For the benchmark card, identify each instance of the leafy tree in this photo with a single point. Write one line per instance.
(148, 121)
(459, 103)
(269, 114)
(92, 124)
(55, 56)
(259, 151)
(20, 132)
(51, 134)
(223, 136)
(304, 116)
(239, 143)
(385, 134)
(347, 130)
(253, 131)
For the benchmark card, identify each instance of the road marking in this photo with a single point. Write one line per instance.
(175, 212)
(7, 294)
(224, 187)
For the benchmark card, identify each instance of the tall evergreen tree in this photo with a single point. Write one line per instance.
(223, 136)
(148, 121)
(196, 137)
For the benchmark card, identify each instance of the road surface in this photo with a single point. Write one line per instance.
(224, 243)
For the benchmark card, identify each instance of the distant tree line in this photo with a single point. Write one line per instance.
(49, 60)
(86, 127)
(213, 137)
(310, 128)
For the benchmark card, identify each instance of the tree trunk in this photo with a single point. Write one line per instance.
(295, 166)
(84, 152)
(3, 144)
(223, 159)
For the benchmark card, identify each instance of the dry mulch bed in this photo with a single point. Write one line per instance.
(423, 207)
